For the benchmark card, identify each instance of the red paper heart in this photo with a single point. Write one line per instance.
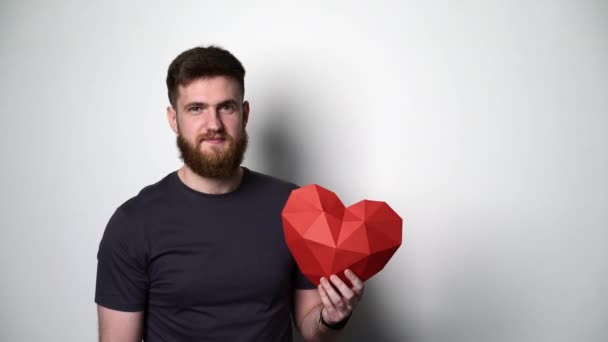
(325, 238)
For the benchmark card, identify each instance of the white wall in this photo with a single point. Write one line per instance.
(483, 123)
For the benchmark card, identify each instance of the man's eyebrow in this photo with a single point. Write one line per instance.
(228, 102)
(195, 104)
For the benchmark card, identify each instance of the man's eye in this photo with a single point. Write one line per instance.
(227, 108)
(194, 109)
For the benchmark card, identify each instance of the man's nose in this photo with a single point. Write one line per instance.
(214, 121)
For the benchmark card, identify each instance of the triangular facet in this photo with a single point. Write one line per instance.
(306, 260)
(378, 240)
(301, 221)
(324, 255)
(320, 232)
(345, 259)
(357, 241)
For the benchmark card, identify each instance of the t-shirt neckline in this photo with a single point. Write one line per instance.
(183, 186)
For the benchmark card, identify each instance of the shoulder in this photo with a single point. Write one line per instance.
(149, 198)
(269, 183)
(126, 224)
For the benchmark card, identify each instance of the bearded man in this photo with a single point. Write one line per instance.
(200, 255)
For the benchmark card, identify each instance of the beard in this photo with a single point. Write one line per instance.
(217, 163)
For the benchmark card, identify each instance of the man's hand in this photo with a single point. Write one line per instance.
(334, 305)
(339, 304)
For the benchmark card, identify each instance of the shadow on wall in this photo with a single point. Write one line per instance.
(285, 159)
(281, 156)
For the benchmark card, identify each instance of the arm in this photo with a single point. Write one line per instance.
(119, 326)
(335, 306)
(122, 280)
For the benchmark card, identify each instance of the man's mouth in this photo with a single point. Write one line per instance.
(214, 140)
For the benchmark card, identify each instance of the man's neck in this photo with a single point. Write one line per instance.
(212, 186)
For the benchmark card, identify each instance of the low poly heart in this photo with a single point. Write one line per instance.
(326, 238)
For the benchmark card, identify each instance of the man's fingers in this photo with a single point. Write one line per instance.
(358, 286)
(341, 298)
(335, 298)
(346, 292)
(325, 298)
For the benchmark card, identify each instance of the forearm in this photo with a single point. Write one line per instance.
(314, 331)
(119, 326)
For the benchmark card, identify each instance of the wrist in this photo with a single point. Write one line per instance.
(333, 326)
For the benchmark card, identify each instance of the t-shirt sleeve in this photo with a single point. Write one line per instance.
(122, 279)
(300, 281)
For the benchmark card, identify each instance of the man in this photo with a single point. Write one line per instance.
(200, 255)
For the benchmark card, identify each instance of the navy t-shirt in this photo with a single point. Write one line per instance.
(202, 267)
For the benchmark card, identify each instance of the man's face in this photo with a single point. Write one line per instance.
(210, 119)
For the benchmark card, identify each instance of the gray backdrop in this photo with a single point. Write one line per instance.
(483, 123)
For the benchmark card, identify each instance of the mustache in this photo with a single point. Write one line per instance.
(215, 135)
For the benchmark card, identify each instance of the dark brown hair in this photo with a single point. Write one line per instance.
(202, 62)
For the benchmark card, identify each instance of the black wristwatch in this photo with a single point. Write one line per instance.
(336, 326)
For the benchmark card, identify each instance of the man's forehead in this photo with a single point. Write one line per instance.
(216, 82)
(210, 89)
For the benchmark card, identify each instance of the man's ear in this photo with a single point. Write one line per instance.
(245, 113)
(172, 119)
